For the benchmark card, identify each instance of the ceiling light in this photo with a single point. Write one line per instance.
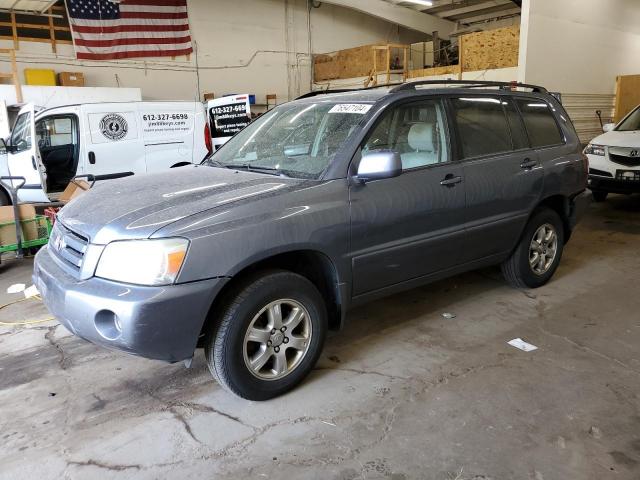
(426, 3)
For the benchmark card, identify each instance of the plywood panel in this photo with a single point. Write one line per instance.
(353, 62)
(627, 95)
(429, 72)
(491, 49)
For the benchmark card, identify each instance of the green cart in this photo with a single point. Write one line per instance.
(40, 224)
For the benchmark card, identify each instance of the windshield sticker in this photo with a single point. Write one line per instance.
(360, 108)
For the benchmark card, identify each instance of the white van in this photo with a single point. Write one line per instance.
(50, 147)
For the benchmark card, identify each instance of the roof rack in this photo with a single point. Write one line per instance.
(468, 84)
(401, 87)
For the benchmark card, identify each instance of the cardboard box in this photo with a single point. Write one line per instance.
(209, 96)
(36, 76)
(73, 190)
(29, 229)
(71, 79)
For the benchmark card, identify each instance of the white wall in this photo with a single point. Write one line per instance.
(255, 46)
(579, 46)
(49, 97)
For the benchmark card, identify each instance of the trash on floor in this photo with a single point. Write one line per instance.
(448, 315)
(32, 291)
(522, 345)
(16, 288)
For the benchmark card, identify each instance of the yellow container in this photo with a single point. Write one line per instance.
(36, 76)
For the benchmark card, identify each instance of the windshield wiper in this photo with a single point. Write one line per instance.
(254, 168)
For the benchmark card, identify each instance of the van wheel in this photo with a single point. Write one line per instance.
(536, 258)
(269, 335)
(599, 195)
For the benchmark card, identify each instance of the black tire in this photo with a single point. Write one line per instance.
(225, 341)
(599, 195)
(4, 199)
(517, 269)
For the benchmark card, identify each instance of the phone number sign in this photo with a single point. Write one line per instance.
(229, 116)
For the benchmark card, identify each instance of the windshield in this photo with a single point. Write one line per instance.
(296, 140)
(632, 122)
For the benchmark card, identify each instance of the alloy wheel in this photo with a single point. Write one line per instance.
(277, 339)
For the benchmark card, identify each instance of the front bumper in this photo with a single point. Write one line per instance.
(612, 185)
(155, 322)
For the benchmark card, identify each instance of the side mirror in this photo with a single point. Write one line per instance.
(378, 165)
(607, 127)
(3, 147)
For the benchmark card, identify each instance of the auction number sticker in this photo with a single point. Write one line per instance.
(360, 108)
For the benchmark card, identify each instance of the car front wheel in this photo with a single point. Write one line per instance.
(269, 335)
(538, 254)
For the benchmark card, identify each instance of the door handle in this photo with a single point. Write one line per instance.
(451, 180)
(528, 164)
(92, 158)
(33, 162)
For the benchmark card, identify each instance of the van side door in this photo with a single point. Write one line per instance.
(411, 226)
(504, 178)
(168, 131)
(113, 141)
(23, 158)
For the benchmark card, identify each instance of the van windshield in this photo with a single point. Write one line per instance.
(631, 123)
(296, 140)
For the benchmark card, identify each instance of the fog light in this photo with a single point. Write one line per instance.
(108, 324)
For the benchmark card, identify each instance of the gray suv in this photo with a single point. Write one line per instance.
(321, 204)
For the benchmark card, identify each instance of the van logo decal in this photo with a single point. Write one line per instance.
(114, 127)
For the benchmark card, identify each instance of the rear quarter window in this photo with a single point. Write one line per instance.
(540, 123)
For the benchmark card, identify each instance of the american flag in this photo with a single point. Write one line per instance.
(107, 30)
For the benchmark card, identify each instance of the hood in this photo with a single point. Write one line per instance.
(135, 207)
(618, 139)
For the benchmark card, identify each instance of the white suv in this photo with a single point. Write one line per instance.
(614, 158)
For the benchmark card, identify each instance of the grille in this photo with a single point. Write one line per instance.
(626, 161)
(68, 246)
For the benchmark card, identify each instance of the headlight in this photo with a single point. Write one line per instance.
(594, 150)
(143, 262)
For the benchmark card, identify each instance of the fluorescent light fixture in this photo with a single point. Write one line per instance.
(426, 3)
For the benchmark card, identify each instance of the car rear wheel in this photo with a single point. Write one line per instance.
(269, 335)
(538, 254)
(599, 195)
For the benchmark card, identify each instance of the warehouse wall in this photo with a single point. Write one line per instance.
(579, 46)
(256, 46)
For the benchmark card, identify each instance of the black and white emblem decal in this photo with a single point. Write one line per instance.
(114, 127)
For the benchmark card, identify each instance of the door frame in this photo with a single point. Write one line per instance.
(75, 125)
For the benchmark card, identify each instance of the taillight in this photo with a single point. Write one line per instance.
(207, 138)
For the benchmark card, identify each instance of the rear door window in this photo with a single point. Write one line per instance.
(482, 126)
(540, 123)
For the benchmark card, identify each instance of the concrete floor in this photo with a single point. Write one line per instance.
(403, 393)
